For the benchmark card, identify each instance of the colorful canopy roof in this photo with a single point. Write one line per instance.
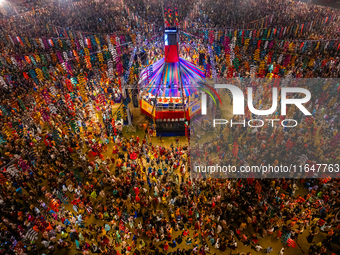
(168, 79)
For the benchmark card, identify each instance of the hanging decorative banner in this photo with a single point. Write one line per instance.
(22, 105)
(69, 103)
(41, 43)
(56, 137)
(76, 55)
(33, 76)
(33, 60)
(100, 57)
(212, 62)
(2, 141)
(4, 111)
(69, 85)
(13, 60)
(39, 74)
(65, 56)
(110, 69)
(3, 83)
(13, 170)
(81, 80)
(46, 74)
(74, 82)
(53, 91)
(69, 69)
(44, 115)
(46, 96)
(23, 165)
(88, 62)
(81, 43)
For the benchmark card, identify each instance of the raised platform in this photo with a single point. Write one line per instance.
(170, 116)
(170, 128)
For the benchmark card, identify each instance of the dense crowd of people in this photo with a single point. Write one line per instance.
(72, 182)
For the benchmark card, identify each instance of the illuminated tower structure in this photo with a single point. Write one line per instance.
(169, 88)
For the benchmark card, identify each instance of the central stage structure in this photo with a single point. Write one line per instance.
(170, 89)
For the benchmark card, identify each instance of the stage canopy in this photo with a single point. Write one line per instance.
(170, 79)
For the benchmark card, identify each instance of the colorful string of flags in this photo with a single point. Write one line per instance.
(265, 52)
(262, 44)
(212, 36)
(65, 61)
(68, 43)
